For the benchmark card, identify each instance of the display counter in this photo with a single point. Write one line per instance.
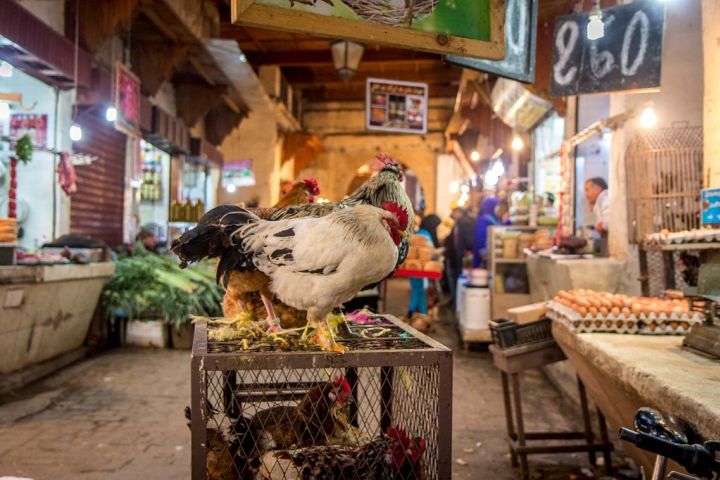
(625, 372)
(547, 276)
(45, 311)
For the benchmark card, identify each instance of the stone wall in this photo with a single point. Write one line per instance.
(348, 146)
(256, 138)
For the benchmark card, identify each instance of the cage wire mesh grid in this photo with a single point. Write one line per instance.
(381, 410)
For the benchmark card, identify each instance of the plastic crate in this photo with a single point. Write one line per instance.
(509, 334)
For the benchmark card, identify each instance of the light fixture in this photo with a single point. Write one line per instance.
(595, 27)
(6, 70)
(517, 143)
(454, 186)
(464, 189)
(346, 57)
(231, 188)
(242, 58)
(475, 156)
(111, 114)
(648, 118)
(75, 132)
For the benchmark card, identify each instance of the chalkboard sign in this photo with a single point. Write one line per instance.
(520, 38)
(628, 57)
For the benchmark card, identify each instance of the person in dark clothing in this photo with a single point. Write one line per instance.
(457, 244)
(430, 224)
(485, 219)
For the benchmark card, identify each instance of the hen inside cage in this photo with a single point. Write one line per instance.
(330, 423)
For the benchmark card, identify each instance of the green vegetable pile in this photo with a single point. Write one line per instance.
(148, 286)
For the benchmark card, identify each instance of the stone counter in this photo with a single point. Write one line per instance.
(625, 372)
(45, 311)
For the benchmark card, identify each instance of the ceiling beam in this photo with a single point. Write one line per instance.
(290, 58)
(302, 78)
(357, 93)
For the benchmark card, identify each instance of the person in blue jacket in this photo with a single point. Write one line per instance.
(486, 218)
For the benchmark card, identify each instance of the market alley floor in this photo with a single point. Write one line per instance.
(119, 415)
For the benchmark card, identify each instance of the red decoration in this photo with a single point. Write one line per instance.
(12, 205)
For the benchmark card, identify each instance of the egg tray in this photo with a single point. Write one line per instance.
(644, 324)
(688, 236)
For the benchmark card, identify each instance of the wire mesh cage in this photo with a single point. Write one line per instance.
(381, 410)
(664, 179)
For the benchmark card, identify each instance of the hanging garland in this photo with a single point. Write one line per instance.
(23, 152)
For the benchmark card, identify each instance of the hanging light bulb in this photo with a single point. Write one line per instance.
(231, 188)
(454, 186)
(517, 143)
(475, 156)
(595, 27)
(111, 114)
(75, 132)
(464, 189)
(491, 179)
(648, 118)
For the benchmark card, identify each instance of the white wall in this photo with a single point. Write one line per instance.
(38, 192)
(680, 99)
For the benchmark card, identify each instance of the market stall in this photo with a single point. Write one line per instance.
(46, 311)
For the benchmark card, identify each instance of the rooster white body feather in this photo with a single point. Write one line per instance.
(317, 264)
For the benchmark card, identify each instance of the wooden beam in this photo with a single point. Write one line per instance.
(295, 58)
(220, 121)
(200, 68)
(231, 104)
(154, 62)
(98, 20)
(302, 78)
(257, 44)
(357, 93)
(195, 99)
(160, 23)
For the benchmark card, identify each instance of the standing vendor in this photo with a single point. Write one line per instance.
(596, 193)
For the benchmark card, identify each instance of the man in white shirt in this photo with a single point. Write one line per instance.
(596, 194)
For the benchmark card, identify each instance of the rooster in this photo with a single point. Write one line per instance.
(244, 289)
(314, 263)
(392, 455)
(310, 423)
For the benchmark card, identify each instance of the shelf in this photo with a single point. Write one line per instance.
(511, 260)
(417, 274)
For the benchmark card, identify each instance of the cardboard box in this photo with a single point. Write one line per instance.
(527, 313)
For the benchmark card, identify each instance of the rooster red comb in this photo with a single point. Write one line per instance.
(344, 388)
(312, 186)
(385, 159)
(399, 213)
(399, 435)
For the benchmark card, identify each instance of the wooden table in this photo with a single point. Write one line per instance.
(511, 362)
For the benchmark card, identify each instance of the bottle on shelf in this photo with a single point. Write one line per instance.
(199, 210)
(187, 211)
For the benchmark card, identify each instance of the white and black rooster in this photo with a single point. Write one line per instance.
(319, 263)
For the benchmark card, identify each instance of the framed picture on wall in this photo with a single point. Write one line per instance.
(394, 106)
(127, 100)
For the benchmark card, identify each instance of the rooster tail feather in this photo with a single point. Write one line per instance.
(211, 237)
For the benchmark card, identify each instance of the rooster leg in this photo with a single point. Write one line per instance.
(272, 320)
(324, 337)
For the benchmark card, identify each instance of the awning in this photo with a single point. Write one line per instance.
(32, 46)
